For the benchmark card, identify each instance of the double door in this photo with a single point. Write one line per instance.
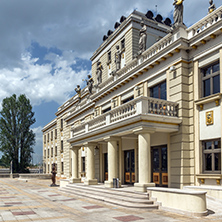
(159, 166)
(129, 167)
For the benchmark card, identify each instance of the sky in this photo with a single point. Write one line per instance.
(46, 45)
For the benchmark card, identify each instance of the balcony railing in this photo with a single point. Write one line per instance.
(141, 105)
(205, 23)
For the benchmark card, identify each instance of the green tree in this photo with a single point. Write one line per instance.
(16, 137)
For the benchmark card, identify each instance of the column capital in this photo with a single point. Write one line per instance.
(75, 147)
(87, 144)
(111, 138)
(142, 129)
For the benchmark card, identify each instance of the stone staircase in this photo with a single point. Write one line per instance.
(124, 197)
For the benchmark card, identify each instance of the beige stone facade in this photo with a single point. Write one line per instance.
(156, 121)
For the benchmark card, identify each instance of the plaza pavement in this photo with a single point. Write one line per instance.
(34, 200)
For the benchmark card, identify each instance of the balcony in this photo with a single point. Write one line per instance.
(151, 111)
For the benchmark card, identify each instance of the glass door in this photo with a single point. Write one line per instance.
(159, 166)
(129, 167)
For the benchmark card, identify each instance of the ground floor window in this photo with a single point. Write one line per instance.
(83, 164)
(62, 167)
(212, 156)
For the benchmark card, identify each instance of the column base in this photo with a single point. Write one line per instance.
(109, 184)
(75, 180)
(91, 182)
(141, 187)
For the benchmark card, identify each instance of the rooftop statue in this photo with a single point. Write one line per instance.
(212, 7)
(99, 73)
(143, 38)
(117, 58)
(78, 91)
(178, 12)
(89, 83)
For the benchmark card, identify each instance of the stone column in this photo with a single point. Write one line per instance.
(112, 160)
(144, 159)
(90, 164)
(75, 178)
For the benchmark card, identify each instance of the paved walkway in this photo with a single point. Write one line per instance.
(34, 200)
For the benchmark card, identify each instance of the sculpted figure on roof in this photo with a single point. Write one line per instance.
(117, 58)
(143, 38)
(212, 7)
(78, 91)
(90, 82)
(178, 12)
(99, 73)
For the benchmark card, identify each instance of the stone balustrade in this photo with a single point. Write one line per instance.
(205, 23)
(162, 107)
(123, 111)
(141, 105)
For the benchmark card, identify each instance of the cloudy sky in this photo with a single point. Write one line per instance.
(46, 45)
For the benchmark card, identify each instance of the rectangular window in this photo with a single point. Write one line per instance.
(123, 44)
(83, 164)
(52, 135)
(55, 133)
(61, 123)
(48, 153)
(106, 110)
(44, 138)
(52, 152)
(109, 57)
(55, 150)
(159, 91)
(62, 167)
(212, 156)
(211, 79)
(48, 138)
(62, 146)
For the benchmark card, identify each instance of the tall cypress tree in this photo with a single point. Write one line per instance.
(16, 137)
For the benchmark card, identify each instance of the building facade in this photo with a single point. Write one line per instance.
(153, 116)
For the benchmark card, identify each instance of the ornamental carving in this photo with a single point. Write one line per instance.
(209, 118)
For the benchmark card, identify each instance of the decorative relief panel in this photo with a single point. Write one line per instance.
(209, 118)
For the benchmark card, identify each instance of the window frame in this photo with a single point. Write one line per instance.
(159, 90)
(212, 151)
(210, 77)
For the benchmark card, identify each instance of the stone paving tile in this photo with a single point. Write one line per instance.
(50, 204)
(128, 218)
(93, 207)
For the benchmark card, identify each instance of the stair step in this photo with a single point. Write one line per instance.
(119, 191)
(120, 197)
(111, 196)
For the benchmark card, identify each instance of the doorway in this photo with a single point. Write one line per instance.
(129, 167)
(159, 166)
(105, 166)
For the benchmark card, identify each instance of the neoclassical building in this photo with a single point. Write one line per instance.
(151, 114)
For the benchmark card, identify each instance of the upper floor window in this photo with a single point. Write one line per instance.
(51, 135)
(55, 133)
(106, 110)
(109, 56)
(61, 123)
(159, 91)
(62, 146)
(123, 44)
(211, 79)
(212, 156)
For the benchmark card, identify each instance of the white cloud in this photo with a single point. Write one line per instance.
(37, 82)
(74, 25)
